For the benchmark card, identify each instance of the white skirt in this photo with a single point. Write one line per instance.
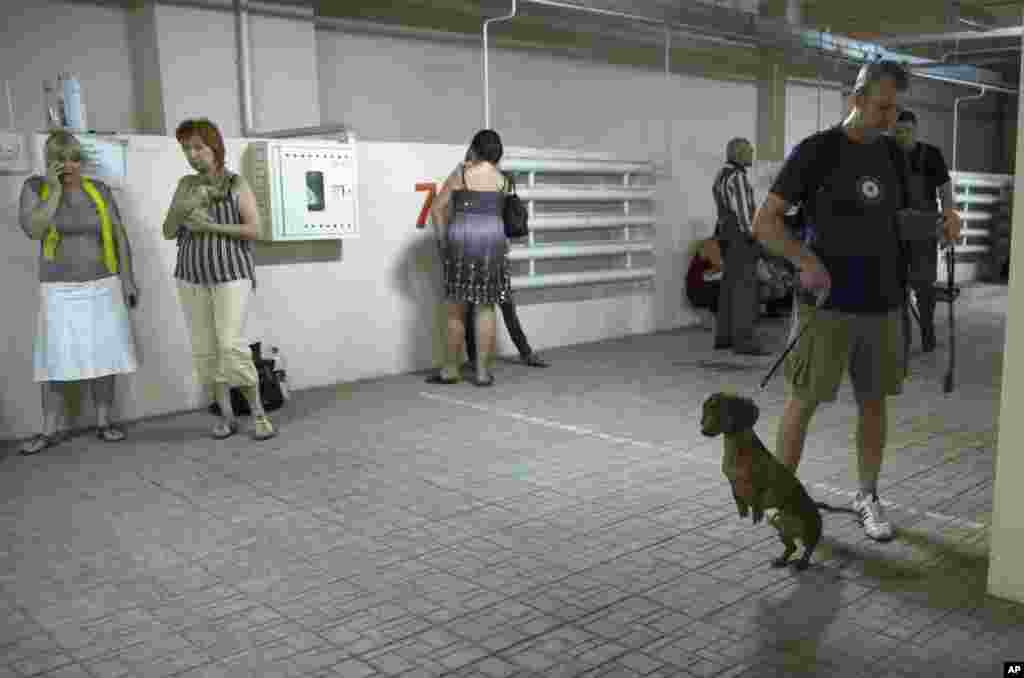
(83, 331)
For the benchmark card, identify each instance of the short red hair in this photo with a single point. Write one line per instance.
(208, 132)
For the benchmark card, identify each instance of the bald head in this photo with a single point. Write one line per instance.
(739, 151)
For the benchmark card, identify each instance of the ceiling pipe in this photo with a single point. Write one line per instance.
(975, 24)
(903, 40)
(702, 32)
(668, 84)
(956, 121)
(487, 69)
(965, 83)
(1015, 48)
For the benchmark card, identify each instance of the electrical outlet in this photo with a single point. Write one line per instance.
(11, 147)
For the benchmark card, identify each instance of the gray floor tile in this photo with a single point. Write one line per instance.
(568, 523)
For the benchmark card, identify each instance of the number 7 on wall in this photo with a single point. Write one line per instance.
(431, 189)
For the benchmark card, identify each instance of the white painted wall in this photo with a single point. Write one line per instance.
(810, 109)
(416, 105)
(199, 69)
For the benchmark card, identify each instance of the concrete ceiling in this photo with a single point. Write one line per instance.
(875, 21)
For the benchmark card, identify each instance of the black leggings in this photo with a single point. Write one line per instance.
(515, 330)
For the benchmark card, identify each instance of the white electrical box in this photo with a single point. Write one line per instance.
(305, 190)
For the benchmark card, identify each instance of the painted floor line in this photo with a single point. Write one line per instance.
(581, 431)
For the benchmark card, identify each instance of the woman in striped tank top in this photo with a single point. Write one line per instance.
(214, 218)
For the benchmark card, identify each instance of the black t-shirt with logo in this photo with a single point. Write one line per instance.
(852, 220)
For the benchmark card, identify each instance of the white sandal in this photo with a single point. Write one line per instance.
(262, 429)
(225, 430)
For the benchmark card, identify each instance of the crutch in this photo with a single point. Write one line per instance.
(951, 295)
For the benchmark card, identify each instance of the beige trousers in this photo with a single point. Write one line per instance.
(216, 315)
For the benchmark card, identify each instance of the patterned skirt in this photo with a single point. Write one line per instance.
(476, 269)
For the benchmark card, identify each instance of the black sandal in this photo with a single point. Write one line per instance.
(38, 443)
(438, 379)
(110, 434)
(533, 360)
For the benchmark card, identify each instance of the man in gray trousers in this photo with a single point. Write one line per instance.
(739, 306)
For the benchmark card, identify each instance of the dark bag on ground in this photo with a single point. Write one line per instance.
(514, 213)
(270, 388)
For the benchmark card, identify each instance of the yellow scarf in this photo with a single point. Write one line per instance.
(106, 227)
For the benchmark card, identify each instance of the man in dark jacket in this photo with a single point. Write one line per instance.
(928, 176)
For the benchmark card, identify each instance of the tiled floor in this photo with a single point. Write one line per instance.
(569, 522)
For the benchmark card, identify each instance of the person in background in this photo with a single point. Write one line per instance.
(83, 333)
(213, 217)
(468, 210)
(776, 281)
(855, 263)
(508, 312)
(928, 176)
(515, 331)
(739, 304)
(704, 275)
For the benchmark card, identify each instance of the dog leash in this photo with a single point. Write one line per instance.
(819, 301)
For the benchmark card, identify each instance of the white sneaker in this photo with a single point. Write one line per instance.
(872, 517)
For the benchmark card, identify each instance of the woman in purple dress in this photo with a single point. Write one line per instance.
(474, 247)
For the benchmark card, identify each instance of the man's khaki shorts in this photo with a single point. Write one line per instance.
(870, 346)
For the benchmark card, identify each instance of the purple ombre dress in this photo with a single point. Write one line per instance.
(475, 264)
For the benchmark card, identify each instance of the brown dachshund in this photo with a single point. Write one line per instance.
(759, 481)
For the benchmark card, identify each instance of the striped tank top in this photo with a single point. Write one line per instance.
(213, 258)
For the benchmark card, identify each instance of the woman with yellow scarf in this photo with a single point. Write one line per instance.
(83, 333)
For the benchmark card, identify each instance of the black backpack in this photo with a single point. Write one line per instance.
(269, 385)
(826, 158)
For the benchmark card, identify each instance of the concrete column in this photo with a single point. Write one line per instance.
(149, 95)
(771, 113)
(1006, 554)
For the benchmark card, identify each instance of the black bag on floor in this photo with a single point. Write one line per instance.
(270, 388)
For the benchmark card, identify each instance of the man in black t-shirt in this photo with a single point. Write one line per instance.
(928, 177)
(855, 257)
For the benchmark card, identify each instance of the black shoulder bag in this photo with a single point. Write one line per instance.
(269, 387)
(514, 212)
